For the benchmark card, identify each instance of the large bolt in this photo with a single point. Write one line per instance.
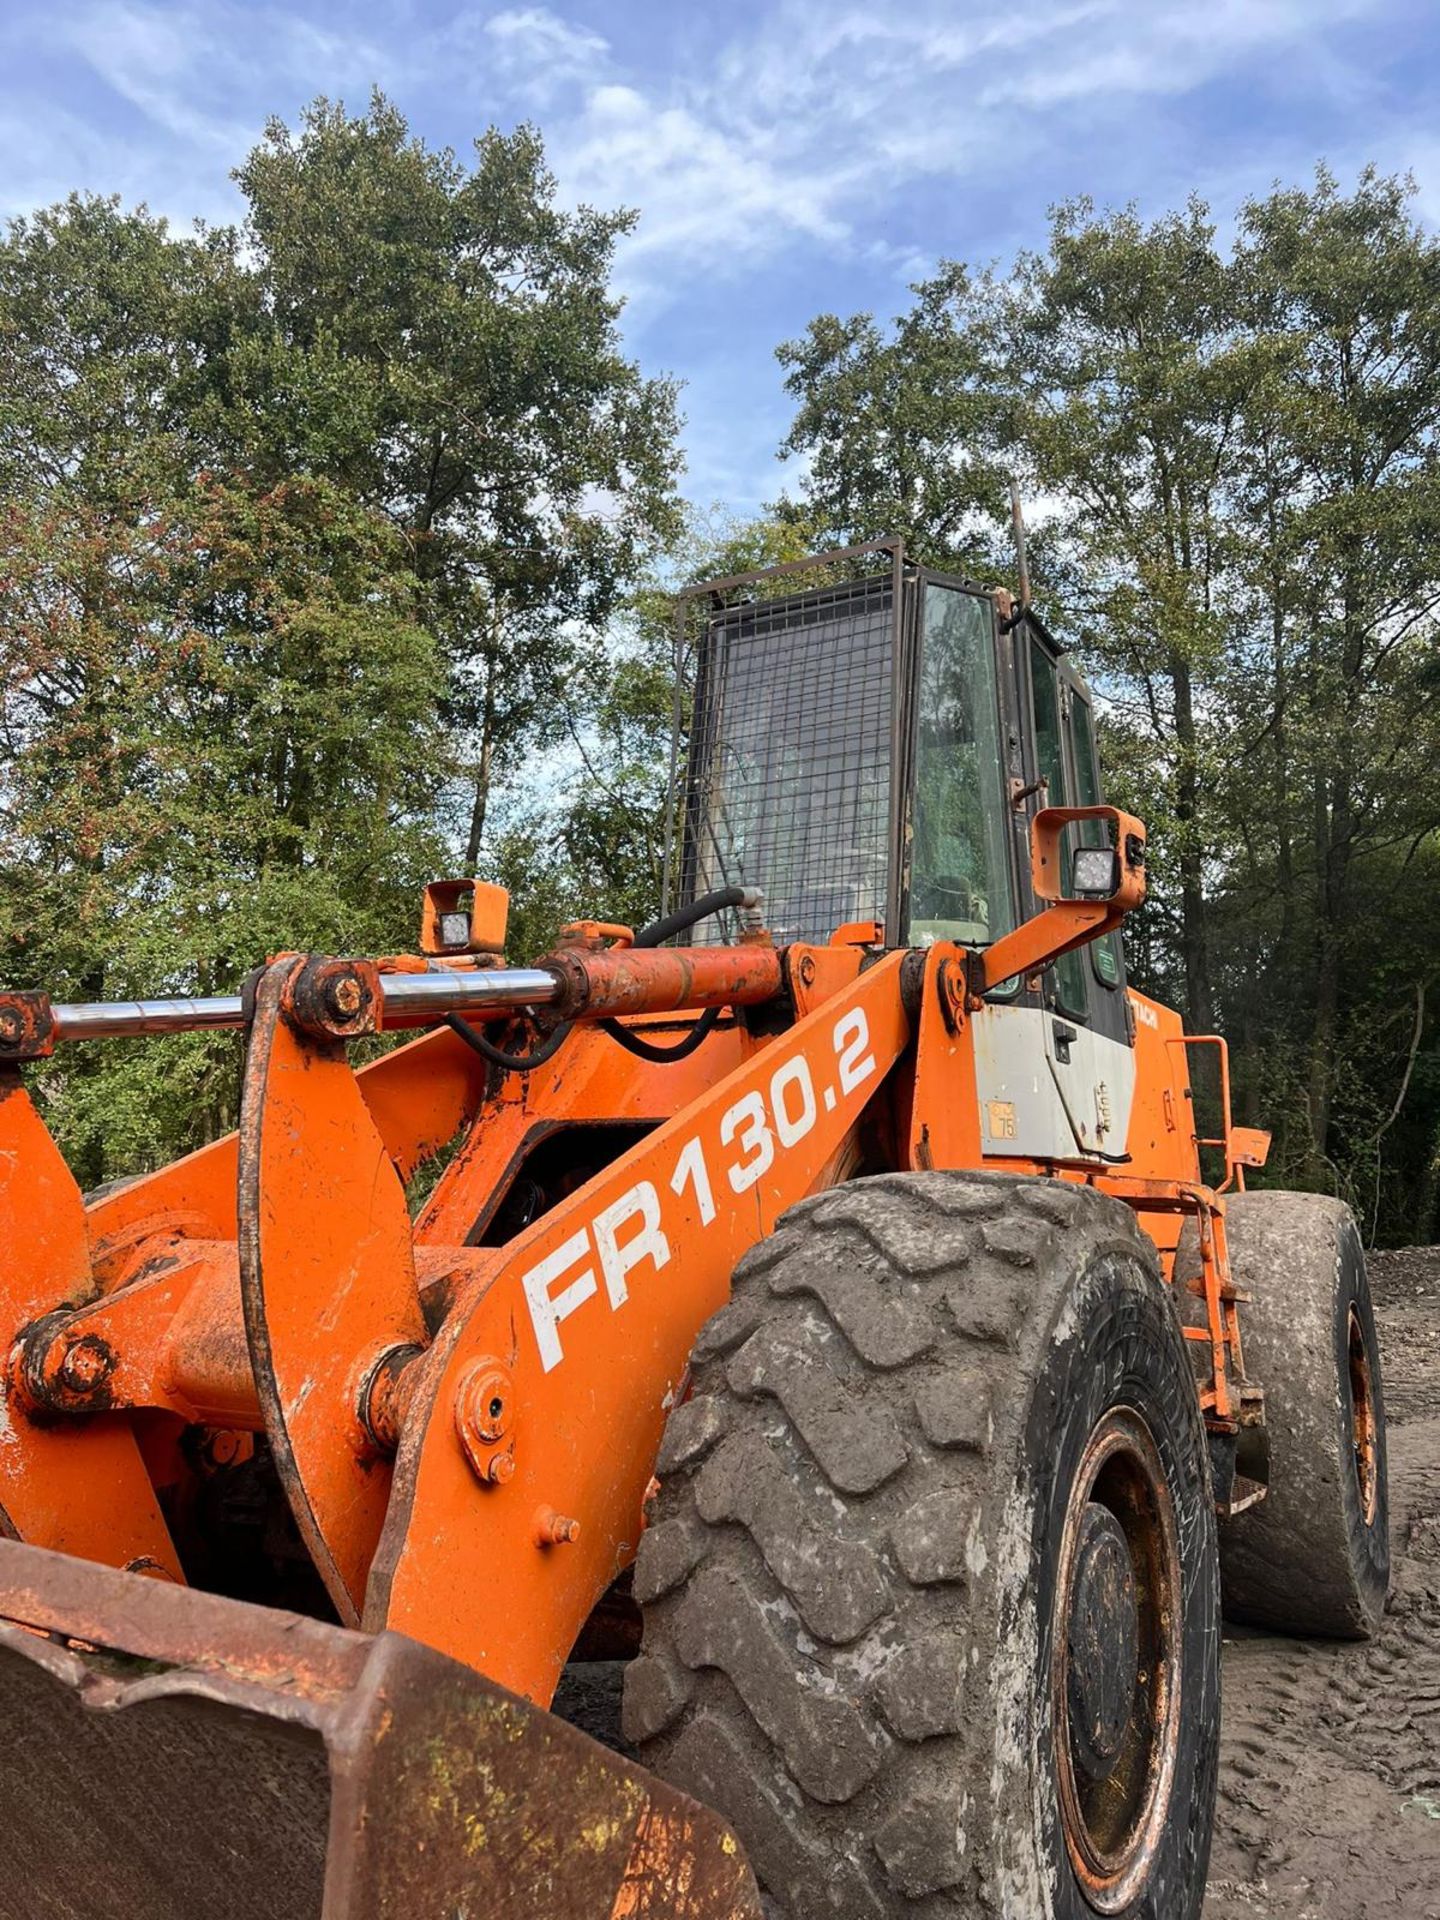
(333, 999)
(86, 1365)
(807, 970)
(483, 1417)
(225, 1448)
(498, 1469)
(344, 996)
(954, 994)
(9, 1027)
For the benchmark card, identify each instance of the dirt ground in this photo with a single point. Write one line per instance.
(1330, 1755)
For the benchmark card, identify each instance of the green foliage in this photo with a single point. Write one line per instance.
(309, 533)
(222, 722)
(444, 343)
(903, 431)
(338, 549)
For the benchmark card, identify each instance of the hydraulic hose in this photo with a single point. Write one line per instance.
(659, 931)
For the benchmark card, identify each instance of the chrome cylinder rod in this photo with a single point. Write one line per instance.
(411, 999)
(426, 996)
(113, 1019)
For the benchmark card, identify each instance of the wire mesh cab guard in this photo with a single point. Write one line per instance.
(791, 676)
(846, 739)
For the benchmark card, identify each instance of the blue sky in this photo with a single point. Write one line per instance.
(786, 156)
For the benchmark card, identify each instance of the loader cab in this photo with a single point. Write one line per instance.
(869, 741)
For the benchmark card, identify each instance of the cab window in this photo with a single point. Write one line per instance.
(959, 871)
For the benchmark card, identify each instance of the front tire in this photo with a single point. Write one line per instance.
(930, 1597)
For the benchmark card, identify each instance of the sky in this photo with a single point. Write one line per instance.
(786, 157)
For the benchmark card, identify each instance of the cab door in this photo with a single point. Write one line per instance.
(1056, 1069)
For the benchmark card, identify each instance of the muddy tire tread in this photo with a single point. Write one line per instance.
(873, 1352)
(1298, 1562)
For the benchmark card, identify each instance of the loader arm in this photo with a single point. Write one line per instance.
(584, 1329)
(478, 1488)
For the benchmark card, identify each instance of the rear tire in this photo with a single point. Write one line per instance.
(930, 1594)
(1314, 1556)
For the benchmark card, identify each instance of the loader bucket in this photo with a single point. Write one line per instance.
(169, 1754)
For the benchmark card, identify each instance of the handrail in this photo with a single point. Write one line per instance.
(1234, 1169)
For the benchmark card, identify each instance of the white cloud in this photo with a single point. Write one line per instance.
(533, 36)
(526, 54)
(152, 59)
(802, 124)
(1166, 48)
(808, 124)
(185, 66)
(708, 195)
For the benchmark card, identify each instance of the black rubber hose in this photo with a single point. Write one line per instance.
(647, 1050)
(659, 931)
(511, 1062)
(651, 936)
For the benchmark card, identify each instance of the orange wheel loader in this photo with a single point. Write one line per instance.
(824, 1306)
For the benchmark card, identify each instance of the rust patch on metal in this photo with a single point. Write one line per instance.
(27, 1026)
(334, 999)
(621, 980)
(1115, 1668)
(1365, 1429)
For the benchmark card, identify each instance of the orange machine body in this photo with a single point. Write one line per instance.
(464, 1407)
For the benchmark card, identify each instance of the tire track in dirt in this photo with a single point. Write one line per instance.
(1330, 1755)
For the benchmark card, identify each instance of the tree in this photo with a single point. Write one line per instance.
(443, 343)
(903, 433)
(106, 320)
(307, 531)
(1114, 344)
(220, 716)
(1341, 293)
(1097, 373)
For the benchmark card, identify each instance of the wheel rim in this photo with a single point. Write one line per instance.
(1115, 1668)
(1364, 1426)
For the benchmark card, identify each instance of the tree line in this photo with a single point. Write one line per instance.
(321, 533)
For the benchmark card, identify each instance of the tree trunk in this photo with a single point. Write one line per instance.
(1334, 845)
(1424, 1224)
(478, 809)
